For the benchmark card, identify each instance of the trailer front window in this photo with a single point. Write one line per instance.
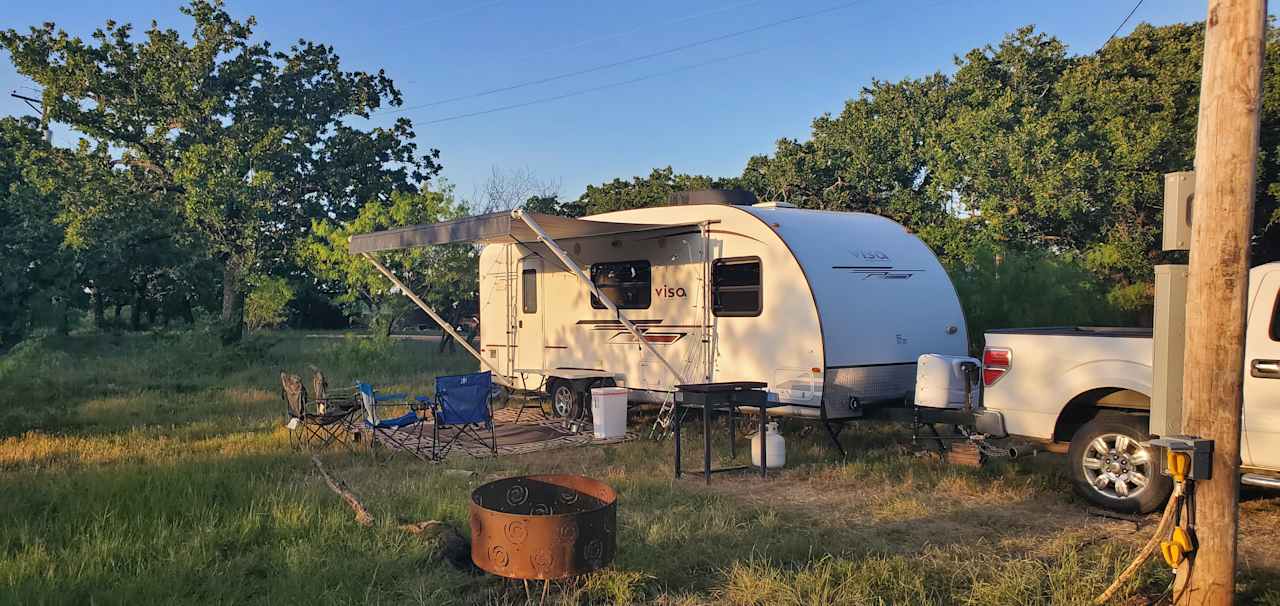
(735, 287)
(627, 283)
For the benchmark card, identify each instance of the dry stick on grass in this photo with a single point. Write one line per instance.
(1162, 529)
(453, 547)
(363, 517)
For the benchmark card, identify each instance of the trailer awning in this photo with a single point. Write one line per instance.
(494, 227)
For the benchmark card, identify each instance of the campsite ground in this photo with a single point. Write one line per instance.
(155, 469)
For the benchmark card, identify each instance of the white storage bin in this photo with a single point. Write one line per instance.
(609, 412)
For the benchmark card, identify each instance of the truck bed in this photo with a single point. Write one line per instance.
(1077, 331)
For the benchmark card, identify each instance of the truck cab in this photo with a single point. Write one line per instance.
(1088, 391)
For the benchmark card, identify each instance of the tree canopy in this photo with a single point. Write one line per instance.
(249, 143)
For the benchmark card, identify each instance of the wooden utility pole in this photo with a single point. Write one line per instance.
(1218, 283)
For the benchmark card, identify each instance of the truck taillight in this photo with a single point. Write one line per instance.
(995, 362)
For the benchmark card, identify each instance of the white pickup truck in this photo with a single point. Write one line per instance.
(1092, 387)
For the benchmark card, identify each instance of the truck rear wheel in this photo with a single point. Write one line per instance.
(1112, 469)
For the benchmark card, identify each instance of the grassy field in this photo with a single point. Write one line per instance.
(155, 469)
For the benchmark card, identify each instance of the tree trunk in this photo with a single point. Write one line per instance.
(232, 301)
(99, 316)
(119, 310)
(187, 313)
(135, 311)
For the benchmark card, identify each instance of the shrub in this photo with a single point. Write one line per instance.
(266, 304)
(1032, 288)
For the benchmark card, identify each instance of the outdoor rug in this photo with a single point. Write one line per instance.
(533, 433)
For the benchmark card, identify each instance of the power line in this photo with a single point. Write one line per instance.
(593, 89)
(1122, 23)
(626, 32)
(627, 61)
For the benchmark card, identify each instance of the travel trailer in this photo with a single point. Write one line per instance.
(830, 309)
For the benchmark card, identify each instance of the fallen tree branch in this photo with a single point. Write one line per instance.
(363, 517)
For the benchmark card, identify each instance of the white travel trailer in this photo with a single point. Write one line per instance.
(830, 309)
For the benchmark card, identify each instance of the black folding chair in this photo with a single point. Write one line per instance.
(308, 430)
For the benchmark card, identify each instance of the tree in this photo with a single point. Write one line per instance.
(253, 143)
(1026, 148)
(30, 258)
(642, 192)
(446, 275)
(508, 189)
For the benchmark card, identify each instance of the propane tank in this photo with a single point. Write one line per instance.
(776, 447)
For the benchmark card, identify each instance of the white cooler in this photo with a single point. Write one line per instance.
(609, 412)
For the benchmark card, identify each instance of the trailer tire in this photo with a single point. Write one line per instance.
(1110, 468)
(566, 402)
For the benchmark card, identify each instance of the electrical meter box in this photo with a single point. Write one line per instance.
(1179, 191)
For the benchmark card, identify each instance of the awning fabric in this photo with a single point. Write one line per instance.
(493, 227)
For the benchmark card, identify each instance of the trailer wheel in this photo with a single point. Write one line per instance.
(566, 402)
(1112, 469)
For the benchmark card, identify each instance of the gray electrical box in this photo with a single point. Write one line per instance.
(1179, 190)
(1169, 336)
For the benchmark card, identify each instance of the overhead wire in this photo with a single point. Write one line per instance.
(1123, 23)
(593, 88)
(644, 26)
(627, 61)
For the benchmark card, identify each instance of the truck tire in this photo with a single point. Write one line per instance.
(1111, 469)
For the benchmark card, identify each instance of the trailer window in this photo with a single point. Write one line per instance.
(529, 291)
(735, 287)
(627, 283)
(1275, 319)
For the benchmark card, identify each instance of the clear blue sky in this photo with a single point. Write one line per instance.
(704, 120)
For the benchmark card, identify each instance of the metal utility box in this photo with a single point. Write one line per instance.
(1169, 337)
(1179, 191)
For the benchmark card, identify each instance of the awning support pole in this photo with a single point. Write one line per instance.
(582, 277)
(434, 316)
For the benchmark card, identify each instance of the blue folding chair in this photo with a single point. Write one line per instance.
(461, 404)
(394, 430)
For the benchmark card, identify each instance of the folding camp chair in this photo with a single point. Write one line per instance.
(461, 404)
(395, 430)
(329, 400)
(311, 430)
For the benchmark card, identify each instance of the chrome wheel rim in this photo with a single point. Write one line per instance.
(562, 402)
(1117, 466)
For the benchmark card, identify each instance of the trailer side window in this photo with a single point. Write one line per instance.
(735, 287)
(627, 283)
(1275, 319)
(529, 291)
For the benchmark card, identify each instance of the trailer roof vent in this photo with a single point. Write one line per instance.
(733, 197)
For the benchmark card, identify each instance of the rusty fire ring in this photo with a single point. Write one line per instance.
(543, 526)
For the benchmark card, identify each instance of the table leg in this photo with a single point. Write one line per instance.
(764, 445)
(706, 443)
(675, 418)
(733, 432)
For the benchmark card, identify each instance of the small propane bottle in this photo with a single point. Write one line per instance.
(776, 447)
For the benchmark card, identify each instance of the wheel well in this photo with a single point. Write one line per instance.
(1088, 405)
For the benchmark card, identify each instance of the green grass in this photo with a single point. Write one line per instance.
(154, 469)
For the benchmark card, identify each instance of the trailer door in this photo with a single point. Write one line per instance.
(530, 310)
